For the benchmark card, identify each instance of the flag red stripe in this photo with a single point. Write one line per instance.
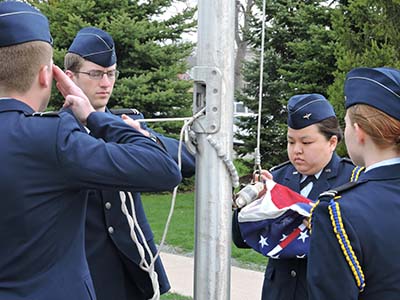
(283, 197)
(295, 233)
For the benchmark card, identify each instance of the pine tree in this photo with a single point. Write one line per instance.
(368, 35)
(150, 51)
(298, 59)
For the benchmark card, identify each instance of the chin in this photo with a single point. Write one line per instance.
(301, 169)
(99, 105)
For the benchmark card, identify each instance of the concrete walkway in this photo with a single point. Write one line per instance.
(245, 284)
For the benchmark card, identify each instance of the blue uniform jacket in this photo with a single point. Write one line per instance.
(370, 213)
(112, 255)
(47, 164)
(286, 278)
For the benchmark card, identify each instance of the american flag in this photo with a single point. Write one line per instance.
(273, 224)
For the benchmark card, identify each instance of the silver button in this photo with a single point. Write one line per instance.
(293, 273)
(110, 229)
(108, 205)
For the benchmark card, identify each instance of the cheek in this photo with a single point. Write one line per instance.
(88, 89)
(289, 149)
(315, 152)
(347, 135)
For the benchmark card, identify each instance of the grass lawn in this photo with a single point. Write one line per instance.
(181, 230)
(171, 296)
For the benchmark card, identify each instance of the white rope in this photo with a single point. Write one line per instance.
(164, 119)
(228, 162)
(144, 265)
(197, 115)
(133, 223)
(257, 161)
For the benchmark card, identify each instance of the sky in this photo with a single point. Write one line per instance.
(176, 8)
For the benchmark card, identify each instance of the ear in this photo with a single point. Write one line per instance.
(333, 141)
(45, 76)
(360, 133)
(69, 73)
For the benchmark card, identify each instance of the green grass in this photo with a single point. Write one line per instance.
(171, 296)
(181, 230)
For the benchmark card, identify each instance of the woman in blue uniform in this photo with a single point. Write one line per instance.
(354, 250)
(313, 167)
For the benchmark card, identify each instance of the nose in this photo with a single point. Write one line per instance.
(105, 81)
(298, 148)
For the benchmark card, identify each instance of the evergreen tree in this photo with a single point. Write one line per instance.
(368, 35)
(149, 47)
(298, 59)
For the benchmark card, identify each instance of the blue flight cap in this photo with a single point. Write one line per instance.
(21, 23)
(307, 109)
(377, 87)
(95, 45)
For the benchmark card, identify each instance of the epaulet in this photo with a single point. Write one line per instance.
(329, 195)
(338, 228)
(277, 167)
(334, 193)
(45, 114)
(126, 111)
(347, 160)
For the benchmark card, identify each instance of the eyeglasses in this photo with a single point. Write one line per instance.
(98, 74)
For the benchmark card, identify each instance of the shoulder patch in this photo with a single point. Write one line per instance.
(277, 167)
(126, 111)
(45, 114)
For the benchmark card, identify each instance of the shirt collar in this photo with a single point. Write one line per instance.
(386, 162)
(303, 177)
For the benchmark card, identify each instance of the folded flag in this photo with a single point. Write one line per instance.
(273, 225)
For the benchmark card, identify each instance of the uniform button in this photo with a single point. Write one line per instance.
(108, 205)
(110, 229)
(293, 273)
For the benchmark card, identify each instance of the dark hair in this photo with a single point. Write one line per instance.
(330, 127)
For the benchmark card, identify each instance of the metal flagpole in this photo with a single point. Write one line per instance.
(213, 89)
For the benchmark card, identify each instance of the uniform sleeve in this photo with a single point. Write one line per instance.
(236, 233)
(188, 160)
(171, 146)
(115, 157)
(328, 274)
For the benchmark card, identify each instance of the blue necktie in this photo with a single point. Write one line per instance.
(310, 178)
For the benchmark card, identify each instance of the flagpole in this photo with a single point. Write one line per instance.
(213, 89)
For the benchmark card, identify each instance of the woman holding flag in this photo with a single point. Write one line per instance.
(275, 227)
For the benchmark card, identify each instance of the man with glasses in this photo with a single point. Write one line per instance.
(113, 258)
(91, 63)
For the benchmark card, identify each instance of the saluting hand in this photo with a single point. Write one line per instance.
(75, 98)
